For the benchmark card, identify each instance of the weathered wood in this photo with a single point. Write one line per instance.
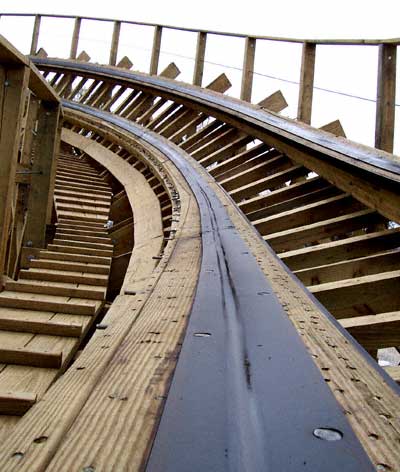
(336, 251)
(248, 69)
(43, 175)
(35, 35)
(375, 331)
(275, 102)
(155, 53)
(335, 127)
(366, 295)
(16, 403)
(386, 96)
(296, 238)
(13, 85)
(75, 38)
(50, 328)
(199, 59)
(357, 267)
(29, 357)
(114, 43)
(306, 83)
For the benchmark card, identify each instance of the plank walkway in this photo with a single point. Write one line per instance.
(45, 314)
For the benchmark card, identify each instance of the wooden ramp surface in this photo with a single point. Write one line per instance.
(45, 314)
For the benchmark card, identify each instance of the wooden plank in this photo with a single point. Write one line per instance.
(386, 96)
(63, 276)
(66, 290)
(298, 237)
(255, 171)
(298, 196)
(35, 35)
(357, 267)
(306, 83)
(248, 69)
(199, 59)
(375, 331)
(47, 303)
(268, 183)
(221, 170)
(29, 357)
(155, 52)
(336, 251)
(226, 151)
(335, 127)
(275, 102)
(114, 43)
(366, 295)
(13, 85)
(75, 38)
(394, 372)
(308, 214)
(16, 403)
(40, 200)
(50, 328)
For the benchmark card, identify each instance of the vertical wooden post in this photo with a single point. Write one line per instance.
(13, 86)
(43, 175)
(35, 35)
(114, 43)
(199, 60)
(155, 53)
(386, 96)
(304, 109)
(248, 69)
(75, 38)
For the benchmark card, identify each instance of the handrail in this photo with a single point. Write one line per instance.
(364, 42)
(386, 70)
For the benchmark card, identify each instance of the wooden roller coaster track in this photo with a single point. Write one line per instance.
(191, 281)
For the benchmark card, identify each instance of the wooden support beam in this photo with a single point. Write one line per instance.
(336, 251)
(13, 86)
(248, 69)
(35, 35)
(375, 331)
(114, 43)
(155, 53)
(306, 83)
(371, 264)
(275, 102)
(386, 96)
(43, 175)
(29, 357)
(16, 403)
(75, 38)
(199, 60)
(368, 295)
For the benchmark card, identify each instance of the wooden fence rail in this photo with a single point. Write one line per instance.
(386, 74)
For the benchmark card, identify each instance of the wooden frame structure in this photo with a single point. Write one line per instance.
(316, 218)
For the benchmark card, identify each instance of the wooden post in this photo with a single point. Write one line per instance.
(199, 60)
(306, 83)
(75, 38)
(248, 69)
(114, 43)
(43, 174)
(386, 95)
(13, 86)
(35, 35)
(155, 53)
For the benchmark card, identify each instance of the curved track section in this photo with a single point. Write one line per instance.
(229, 407)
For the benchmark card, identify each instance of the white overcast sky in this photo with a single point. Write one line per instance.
(350, 70)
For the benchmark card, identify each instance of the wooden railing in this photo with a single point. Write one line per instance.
(29, 136)
(386, 73)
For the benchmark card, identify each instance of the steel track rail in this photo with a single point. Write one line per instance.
(246, 394)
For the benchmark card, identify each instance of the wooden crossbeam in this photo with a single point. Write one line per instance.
(30, 357)
(16, 403)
